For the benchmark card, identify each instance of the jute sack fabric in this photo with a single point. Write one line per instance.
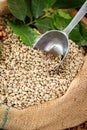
(3, 7)
(68, 111)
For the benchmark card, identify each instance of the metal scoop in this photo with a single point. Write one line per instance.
(56, 42)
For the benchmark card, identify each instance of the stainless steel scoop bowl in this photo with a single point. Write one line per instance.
(56, 42)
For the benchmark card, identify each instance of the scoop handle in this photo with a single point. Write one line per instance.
(76, 19)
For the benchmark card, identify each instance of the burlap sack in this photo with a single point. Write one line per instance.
(3, 7)
(68, 111)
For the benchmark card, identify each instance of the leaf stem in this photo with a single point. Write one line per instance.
(47, 14)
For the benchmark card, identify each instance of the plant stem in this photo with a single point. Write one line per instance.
(47, 14)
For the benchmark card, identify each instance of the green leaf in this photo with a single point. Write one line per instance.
(82, 42)
(78, 37)
(28, 5)
(83, 31)
(68, 3)
(63, 14)
(75, 34)
(27, 34)
(18, 8)
(59, 20)
(49, 3)
(37, 7)
(43, 25)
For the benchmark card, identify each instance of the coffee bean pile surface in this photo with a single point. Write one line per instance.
(24, 72)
